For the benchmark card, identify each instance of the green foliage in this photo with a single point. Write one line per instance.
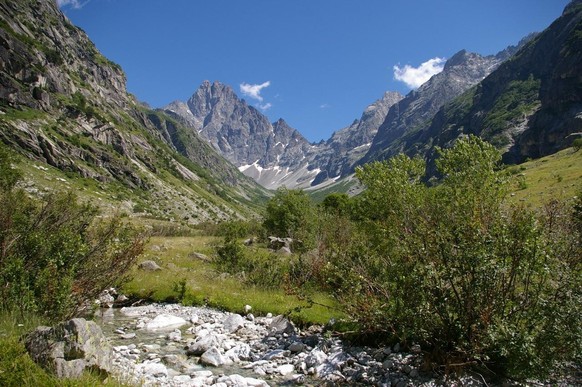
(456, 269)
(9, 175)
(255, 266)
(520, 98)
(55, 254)
(236, 229)
(337, 203)
(292, 214)
(577, 144)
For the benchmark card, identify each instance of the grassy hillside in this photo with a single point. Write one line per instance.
(558, 176)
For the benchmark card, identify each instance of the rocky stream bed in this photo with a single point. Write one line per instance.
(174, 345)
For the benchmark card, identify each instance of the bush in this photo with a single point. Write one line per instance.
(55, 254)
(458, 270)
(255, 266)
(577, 144)
(292, 214)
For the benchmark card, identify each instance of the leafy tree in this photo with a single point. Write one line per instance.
(457, 269)
(55, 254)
(292, 214)
(336, 203)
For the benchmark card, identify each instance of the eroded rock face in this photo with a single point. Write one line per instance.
(69, 348)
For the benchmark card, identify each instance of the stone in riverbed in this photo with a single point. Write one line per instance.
(285, 369)
(239, 352)
(204, 344)
(233, 323)
(165, 322)
(281, 325)
(296, 347)
(153, 369)
(213, 357)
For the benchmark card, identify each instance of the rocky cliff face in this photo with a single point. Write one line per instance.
(267, 152)
(275, 154)
(462, 71)
(531, 106)
(337, 157)
(64, 104)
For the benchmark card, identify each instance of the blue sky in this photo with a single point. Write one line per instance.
(315, 63)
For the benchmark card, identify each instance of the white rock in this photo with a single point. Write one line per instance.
(233, 323)
(175, 335)
(165, 322)
(201, 374)
(315, 358)
(213, 357)
(182, 379)
(252, 382)
(285, 369)
(153, 369)
(239, 352)
(238, 381)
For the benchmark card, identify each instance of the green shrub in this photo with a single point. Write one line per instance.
(455, 268)
(577, 144)
(55, 253)
(292, 214)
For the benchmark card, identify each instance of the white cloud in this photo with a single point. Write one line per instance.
(254, 91)
(265, 106)
(416, 76)
(324, 106)
(76, 4)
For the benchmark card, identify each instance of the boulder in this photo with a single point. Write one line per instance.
(200, 256)
(233, 323)
(276, 243)
(70, 347)
(202, 345)
(165, 322)
(213, 357)
(153, 369)
(149, 266)
(281, 325)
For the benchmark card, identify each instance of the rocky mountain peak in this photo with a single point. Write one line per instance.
(572, 6)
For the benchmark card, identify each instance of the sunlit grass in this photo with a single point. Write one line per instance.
(205, 286)
(558, 176)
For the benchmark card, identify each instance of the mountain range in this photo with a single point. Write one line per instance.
(525, 100)
(64, 105)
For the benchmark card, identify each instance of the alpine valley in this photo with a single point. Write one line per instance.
(526, 100)
(66, 105)
(456, 261)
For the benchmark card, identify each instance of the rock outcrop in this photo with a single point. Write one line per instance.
(275, 154)
(70, 348)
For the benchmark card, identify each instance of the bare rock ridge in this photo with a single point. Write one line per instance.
(274, 154)
(462, 71)
(529, 107)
